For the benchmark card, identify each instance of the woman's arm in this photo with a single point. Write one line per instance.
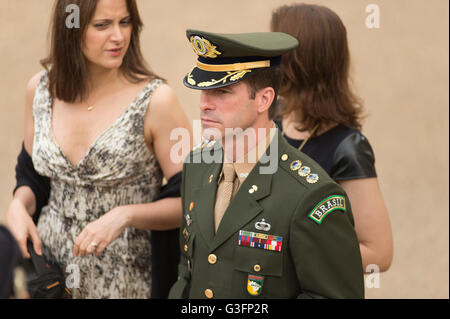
(23, 206)
(164, 115)
(372, 224)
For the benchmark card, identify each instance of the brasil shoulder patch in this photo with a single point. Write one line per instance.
(326, 206)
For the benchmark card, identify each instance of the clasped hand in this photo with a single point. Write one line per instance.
(97, 235)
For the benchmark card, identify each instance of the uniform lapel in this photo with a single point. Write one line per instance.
(204, 199)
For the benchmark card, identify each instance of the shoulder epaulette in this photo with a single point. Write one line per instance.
(301, 168)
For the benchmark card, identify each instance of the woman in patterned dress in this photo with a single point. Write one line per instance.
(98, 124)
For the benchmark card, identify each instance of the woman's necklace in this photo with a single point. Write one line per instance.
(90, 108)
(306, 139)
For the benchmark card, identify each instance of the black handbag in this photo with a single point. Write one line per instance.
(44, 280)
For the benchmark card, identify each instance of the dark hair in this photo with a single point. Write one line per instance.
(316, 88)
(66, 63)
(266, 77)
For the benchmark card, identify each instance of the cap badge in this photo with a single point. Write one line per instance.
(203, 47)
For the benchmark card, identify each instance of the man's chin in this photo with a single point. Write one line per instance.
(212, 133)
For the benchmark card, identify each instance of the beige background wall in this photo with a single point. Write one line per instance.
(400, 70)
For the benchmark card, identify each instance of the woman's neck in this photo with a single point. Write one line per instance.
(101, 78)
(290, 129)
(290, 126)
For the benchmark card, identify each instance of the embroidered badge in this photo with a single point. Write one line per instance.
(326, 206)
(262, 241)
(254, 285)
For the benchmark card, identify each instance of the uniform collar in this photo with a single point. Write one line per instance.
(245, 165)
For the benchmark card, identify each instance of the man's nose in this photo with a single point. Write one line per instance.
(205, 101)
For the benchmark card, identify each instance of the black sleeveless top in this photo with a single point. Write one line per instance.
(343, 152)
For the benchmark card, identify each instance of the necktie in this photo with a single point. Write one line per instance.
(224, 193)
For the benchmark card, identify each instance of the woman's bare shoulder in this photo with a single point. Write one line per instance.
(33, 83)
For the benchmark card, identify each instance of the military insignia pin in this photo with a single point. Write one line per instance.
(188, 219)
(203, 47)
(304, 171)
(295, 165)
(262, 225)
(254, 285)
(312, 178)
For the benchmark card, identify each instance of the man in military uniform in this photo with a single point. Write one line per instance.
(251, 230)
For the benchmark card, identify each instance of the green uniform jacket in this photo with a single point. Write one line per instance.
(319, 255)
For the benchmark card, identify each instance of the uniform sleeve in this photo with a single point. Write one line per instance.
(181, 287)
(354, 158)
(325, 248)
(26, 175)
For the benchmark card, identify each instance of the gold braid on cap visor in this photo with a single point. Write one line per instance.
(233, 67)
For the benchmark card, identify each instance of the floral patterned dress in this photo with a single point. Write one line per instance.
(117, 170)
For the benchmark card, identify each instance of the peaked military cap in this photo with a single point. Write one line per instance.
(225, 59)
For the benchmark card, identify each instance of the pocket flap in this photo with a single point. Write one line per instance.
(258, 261)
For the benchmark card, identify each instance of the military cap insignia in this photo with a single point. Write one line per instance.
(326, 206)
(225, 59)
(254, 285)
(231, 76)
(203, 47)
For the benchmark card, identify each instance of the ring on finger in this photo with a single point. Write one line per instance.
(93, 244)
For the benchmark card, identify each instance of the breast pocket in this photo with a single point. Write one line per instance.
(258, 272)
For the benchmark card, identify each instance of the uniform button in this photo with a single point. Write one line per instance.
(257, 268)
(186, 248)
(284, 157)
(209, 293)
(212, 259)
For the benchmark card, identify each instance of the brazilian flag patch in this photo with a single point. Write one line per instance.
(254, 285)
(327, 206)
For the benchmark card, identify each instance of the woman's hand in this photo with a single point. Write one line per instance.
(97, 235)
(22, 227)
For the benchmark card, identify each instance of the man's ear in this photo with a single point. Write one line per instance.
(264, 98)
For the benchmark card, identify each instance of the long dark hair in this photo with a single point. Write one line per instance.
(66, 63)
(316, 88)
